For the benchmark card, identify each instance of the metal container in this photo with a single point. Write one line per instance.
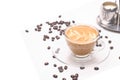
(109, 16)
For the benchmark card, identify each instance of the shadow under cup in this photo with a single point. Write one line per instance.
(81, 50)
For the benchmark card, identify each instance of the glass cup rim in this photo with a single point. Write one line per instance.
(86, 25)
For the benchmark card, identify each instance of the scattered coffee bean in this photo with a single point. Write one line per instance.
(60, 68)
(119, 57)
(109, 41)
(73, 21)
(99, 45)
(50, 32)
(65, 67)
(55, 76)
(106, 37)
(54, 56)
(99, 31)
(82, 67)
(57, 37)
(41, 24)
(55, 27)
(72, 76)
(46, 63)
(111, 47)
(96, 68)
(59, 16)
(54, 65)
(48, 47)
(26, 31)
(39, 30)
(61, 22)
(101, 36)
(36, 29)
(59, 27)
(67, 23)
(38, 26)
(76, 74)
(52, 38)
(63, 78)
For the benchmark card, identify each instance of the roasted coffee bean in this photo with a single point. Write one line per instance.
(50, 29)
(46, 63)
(55, 76)
(44, 39)
(65, 67)
(48, 47)
(52, 38)
(60, 68)
(55, 27)
(38, 26)
(73, 21)
(61, 22)
(59, 27)
(99, 31)
(109, 41)
(82, 67)
(106, 37)
(63, 78)
(99, 45)
(67, 23)
(54, 56)
(54, 65)
(36, 29)
(76, 74)
(57, 37)
(72, 76)
(119, 57)
(111, 47)
(59, 16)
(50, 32)
(41, 24)
(96, 68)
(48, 23)
(39, 30)
(26, 31)
(101, 36)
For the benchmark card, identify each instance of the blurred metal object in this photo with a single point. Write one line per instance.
(109, 17)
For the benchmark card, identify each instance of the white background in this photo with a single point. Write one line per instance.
(15, 62)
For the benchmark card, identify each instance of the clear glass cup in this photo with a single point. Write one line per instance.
(81, 47)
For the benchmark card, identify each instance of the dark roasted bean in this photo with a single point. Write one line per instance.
(106, 37)
(48, 47)
(59, 27)
(26, 31)
(39, 30)
(99, 30)
(41, 24)
(55, 76)
(46, 63)
(76, 74)
(73, 21)
(54, 56)
(109, 41)
(59, 16)
(57, 37)
(119, 57)
(53, 38)
(82, 67)
(36, 29)
(60, 68)
(55, 27)
(54, 65)
(72, 76)
(50, 32)
(96, 68)
(65, 67)
(63, 78)
(111, 47)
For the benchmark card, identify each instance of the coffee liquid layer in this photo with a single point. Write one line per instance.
(81, 33)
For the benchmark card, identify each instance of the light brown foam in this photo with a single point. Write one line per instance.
(81, 33)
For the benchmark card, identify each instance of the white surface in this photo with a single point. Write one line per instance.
(15, 61)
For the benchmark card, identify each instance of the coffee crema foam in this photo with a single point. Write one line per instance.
(81, 33)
